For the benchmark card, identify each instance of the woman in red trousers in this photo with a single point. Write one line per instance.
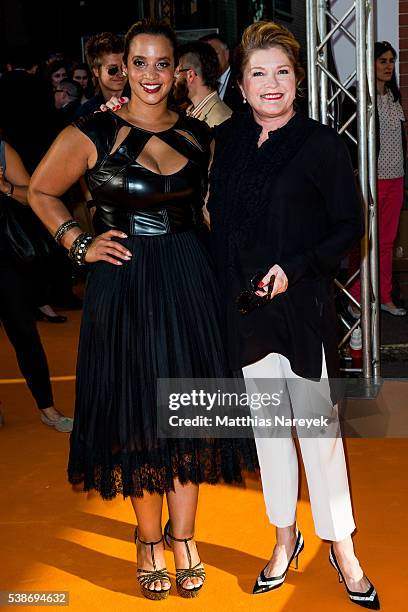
(391, 155)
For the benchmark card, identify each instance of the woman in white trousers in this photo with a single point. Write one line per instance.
(323, 457)
(284, 212)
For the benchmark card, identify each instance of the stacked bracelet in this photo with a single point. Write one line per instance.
(79, 247)
(63, 229)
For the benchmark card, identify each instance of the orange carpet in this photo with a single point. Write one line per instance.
(56, 540)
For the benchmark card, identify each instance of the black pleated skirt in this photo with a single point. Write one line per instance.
(156, 316)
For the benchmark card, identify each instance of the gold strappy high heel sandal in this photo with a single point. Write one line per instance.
(197, 571)
(147, 577)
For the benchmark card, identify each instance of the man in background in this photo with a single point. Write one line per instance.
(67, 99)
(197, 77)
(227, 88)
(104, 54)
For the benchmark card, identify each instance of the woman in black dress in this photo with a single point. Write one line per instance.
(150, 308)
(283, 202)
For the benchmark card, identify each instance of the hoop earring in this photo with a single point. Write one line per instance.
(124, 73)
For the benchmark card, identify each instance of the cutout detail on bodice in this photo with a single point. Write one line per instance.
(163, 153)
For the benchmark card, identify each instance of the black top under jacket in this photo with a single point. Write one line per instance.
(292, 202)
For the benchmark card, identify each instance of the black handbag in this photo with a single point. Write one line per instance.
(22, 233)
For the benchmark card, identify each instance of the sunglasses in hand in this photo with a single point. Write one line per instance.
(247, 301)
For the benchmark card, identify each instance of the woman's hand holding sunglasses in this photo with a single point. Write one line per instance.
(262, 288)
(280, 283)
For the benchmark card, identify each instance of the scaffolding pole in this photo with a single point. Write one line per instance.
(325, 89)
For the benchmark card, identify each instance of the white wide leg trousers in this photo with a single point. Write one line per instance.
(323, 459)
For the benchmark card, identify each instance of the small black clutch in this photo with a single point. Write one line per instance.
(247, 300)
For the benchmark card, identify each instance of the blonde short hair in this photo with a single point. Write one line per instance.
(267, 35)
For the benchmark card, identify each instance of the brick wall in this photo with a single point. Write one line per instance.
(403, 54)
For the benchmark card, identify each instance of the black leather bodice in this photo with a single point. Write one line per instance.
(134, 199)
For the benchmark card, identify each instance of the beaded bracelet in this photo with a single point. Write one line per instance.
(64, 228)
(79, 247)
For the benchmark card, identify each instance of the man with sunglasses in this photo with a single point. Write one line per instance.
(104, 53)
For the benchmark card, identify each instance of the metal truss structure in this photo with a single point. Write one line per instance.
(325, 92)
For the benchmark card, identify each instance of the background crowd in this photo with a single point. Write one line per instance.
(39, 98)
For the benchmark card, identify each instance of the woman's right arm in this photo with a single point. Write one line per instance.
(66, 161)
(70, 155)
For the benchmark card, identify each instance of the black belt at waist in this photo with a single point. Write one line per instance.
(145, 223)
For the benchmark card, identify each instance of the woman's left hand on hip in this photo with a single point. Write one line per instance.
(280, 284)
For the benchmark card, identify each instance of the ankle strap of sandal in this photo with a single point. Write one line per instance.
(151, 544)
(185, 540)
(168, 534)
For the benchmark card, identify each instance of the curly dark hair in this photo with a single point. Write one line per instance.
(150, 26)
(202, 57)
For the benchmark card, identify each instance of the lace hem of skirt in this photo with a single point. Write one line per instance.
(130, 475)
